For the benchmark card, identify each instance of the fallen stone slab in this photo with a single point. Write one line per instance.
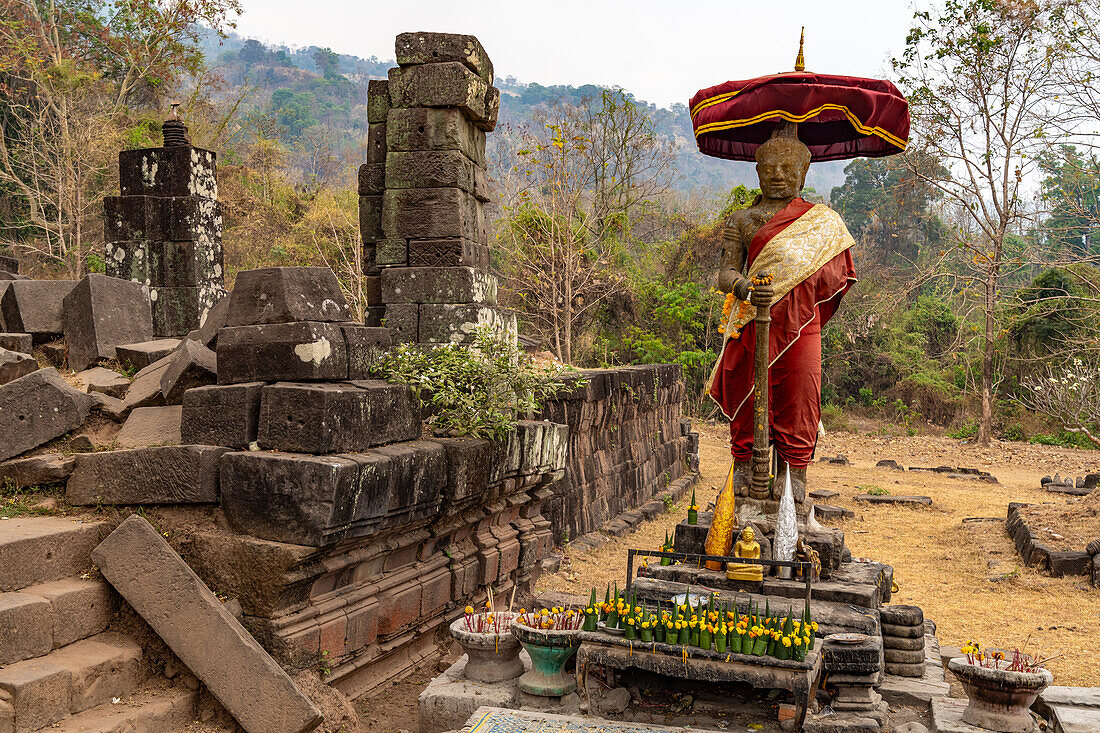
(184, 612)
(1081, 697)
(182, 474)
(282, 352)
(37, 408)
(891, 499)
(222, 414)
(50, 468)
(15, 364)
(493, 719)
(191, 365)
(41, 549)
(145, 390)
(102, 312)
(824, 494)
(110, 407)
(21, 342)
(890, 464)
(141, 355)
(104, 381)
(1075, 720)
(36, 307)
(330, 418)
(151, 426)
(286, 294)
(828, 511)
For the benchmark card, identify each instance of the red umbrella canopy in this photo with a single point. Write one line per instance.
(838, 117)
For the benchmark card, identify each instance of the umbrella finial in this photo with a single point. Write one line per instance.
(800, 60)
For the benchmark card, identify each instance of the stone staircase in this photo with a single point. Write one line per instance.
(60, 666)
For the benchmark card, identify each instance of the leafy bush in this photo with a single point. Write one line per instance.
(833, 418)
(1064, 439)
(1014, 432)
(480, 391)
(968, 430)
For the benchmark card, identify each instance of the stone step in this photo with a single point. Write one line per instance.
(41, 549)
(150, 710)
(44, 617)
(39, 692)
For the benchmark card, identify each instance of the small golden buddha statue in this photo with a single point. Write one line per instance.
(748, 548)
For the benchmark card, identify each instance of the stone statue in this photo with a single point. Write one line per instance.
(804, 247)
(746, 547)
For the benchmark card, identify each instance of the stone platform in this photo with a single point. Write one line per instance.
(497, 720)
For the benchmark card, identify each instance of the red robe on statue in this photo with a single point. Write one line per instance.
(794, 343)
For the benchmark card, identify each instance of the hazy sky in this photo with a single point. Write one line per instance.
(662, 52)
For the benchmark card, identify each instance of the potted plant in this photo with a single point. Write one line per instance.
(1001, 690)
(551, 637)
(492, 652)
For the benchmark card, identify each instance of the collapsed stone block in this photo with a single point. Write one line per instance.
(301, 351)
(438, 285)
(424, 213)
(180, 474)
(422, 128)
(22, 342)
(105, 381)
(145, 390)
(447, 84)
(210, 322)
(160, 586)
(191, 365)
(430, 48)
(221, 414)
(149, 426)
(330, 418)
(100, 313)
(37, 408)
(15, 364)
(36, 307)
(286, 294)
(43, 470)
(141, 355)
(173, 171)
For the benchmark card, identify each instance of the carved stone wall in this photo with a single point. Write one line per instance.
(627, 443)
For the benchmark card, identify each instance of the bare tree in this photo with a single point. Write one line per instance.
(68, 73)
(1069, 395)
(984, 100)
(580, 195)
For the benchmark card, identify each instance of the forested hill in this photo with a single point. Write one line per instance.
(300, 87)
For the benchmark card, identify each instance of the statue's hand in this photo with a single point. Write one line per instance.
(762, 292)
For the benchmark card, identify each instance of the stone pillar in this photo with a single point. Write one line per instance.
(422, 192)
(165, 230)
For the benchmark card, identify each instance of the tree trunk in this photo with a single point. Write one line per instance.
(985, 422)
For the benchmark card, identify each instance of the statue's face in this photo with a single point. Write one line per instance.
(748, 534)
(781, 177)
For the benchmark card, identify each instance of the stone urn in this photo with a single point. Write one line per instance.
(549, 651)
(490, 657)
(999, 697)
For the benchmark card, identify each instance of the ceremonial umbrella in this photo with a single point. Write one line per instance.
(838, 117)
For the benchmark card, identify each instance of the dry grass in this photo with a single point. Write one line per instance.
(1069, 525)
(965, 575)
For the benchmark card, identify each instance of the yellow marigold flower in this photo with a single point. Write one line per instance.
(469, 609)
(786, 641)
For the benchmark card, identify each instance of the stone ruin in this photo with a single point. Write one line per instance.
(275, 471)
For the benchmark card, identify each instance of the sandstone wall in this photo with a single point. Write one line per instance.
(627, 443)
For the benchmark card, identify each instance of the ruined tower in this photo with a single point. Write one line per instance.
(165, 230)
(422, 192)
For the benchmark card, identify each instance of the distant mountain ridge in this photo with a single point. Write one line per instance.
(310, 85)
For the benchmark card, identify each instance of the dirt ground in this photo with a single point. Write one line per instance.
(952, 559)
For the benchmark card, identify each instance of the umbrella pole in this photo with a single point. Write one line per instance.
(761, 447)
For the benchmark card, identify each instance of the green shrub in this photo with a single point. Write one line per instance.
(1014, 432)
(968, 430)
(480, 391)
(1063, 438)
(833, 418)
